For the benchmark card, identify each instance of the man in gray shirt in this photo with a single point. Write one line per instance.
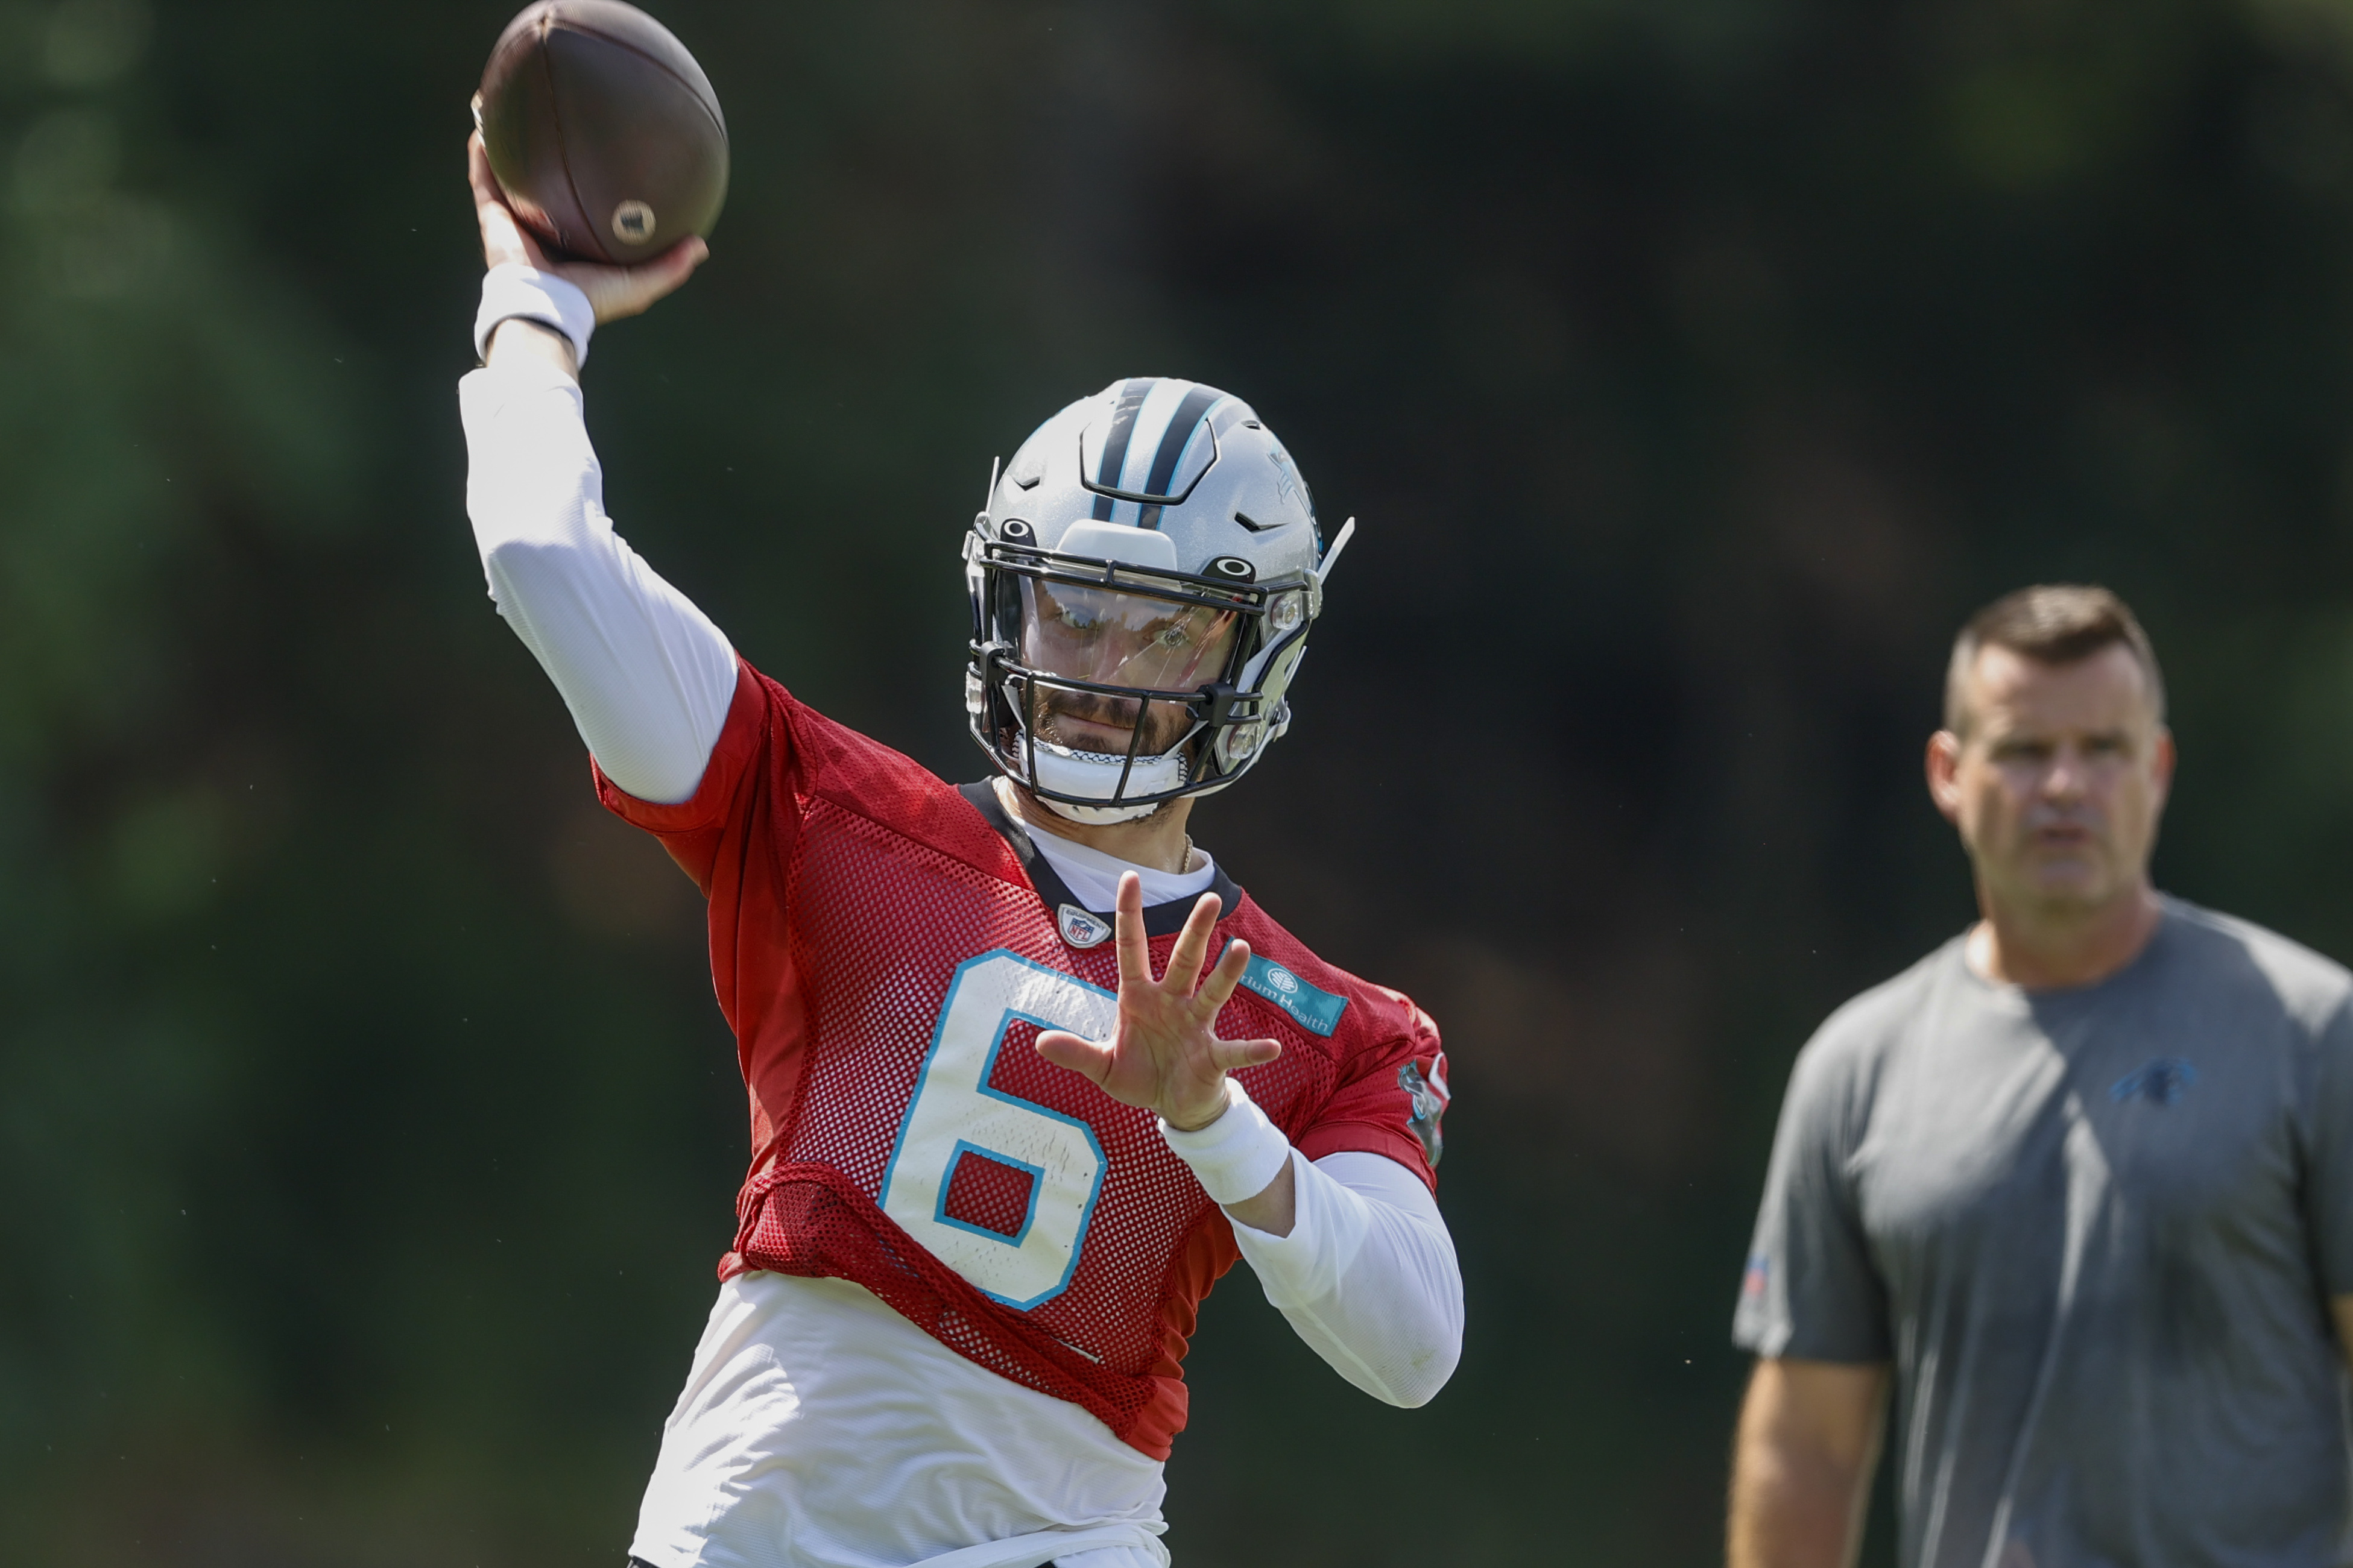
(2082, 1179)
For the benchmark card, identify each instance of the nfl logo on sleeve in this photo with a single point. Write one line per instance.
(1080, 929)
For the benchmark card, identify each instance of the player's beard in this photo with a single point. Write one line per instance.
(1164, 726)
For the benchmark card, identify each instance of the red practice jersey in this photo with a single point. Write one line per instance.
(886, 947)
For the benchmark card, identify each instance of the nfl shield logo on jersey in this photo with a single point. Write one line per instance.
(1080, 929)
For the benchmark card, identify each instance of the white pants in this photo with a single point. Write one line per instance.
(1083, 1549)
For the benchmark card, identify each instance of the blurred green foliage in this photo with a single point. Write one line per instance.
(366, 1131)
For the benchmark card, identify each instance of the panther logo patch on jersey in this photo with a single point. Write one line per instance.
(2161, 1082)
(1429, 1098)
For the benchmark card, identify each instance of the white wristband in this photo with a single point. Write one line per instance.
(1237, 1157)
(511, 289)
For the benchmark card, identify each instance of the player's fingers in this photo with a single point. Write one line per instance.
(478, 172)
(636, 289)
(1192, 947)
(677, 263)
(1127, 926)
(1232, 1055)
(631, 290)
(1219, 988)
(503, 236)
(1081, 1056)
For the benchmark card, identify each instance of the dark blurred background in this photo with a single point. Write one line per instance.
(367, 1130)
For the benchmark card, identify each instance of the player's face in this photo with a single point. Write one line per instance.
(2058, 785)
(1118, 640)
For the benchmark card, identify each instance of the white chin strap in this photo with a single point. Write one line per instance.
(1067, 772)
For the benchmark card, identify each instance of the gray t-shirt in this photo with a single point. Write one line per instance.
(2095, 1231)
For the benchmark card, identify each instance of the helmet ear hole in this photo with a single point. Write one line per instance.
(1013, 528)
(1233, 568)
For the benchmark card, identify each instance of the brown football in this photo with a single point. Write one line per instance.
(603, 132)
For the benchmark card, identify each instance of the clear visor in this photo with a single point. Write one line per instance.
(1131, 641)
(1112, 638)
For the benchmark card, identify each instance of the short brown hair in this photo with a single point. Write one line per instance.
(2050, 623)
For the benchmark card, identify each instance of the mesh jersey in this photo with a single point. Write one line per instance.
(886, 948)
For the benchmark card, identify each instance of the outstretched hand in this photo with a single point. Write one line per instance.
(1164, 1053)
(614, 291)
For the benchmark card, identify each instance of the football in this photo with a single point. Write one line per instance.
(603, 131)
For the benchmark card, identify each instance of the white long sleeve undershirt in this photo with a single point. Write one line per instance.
(1367, 1275)
(648, 677)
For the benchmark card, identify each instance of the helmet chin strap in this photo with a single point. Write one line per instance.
(1097, 815)
(1066, 772)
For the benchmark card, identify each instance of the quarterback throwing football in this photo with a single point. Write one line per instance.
(1027, 1071)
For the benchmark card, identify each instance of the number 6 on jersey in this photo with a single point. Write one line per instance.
(995, 1187)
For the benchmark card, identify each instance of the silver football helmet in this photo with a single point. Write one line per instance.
(1142, 584)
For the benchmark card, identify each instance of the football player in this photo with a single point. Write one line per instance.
(1027, 1071)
